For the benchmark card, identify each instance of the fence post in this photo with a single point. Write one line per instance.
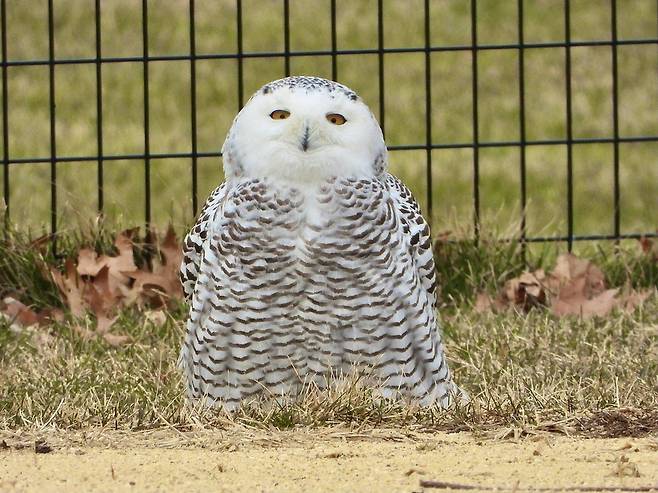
(567, 77)
(5, 117)
(147, 144)
(476, 137)
(193, 129)
(99, 107)
(53, 135)
(522, 129)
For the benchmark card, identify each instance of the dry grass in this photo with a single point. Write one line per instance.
(522, 371)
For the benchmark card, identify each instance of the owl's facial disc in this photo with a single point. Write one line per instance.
(304, 129)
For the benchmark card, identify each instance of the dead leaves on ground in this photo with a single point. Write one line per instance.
(574, 287)
(21, 315)
(103, 284)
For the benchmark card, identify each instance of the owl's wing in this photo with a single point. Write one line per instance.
(416, 227)
(193, 244)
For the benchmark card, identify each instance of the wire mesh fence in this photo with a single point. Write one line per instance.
(474, 51)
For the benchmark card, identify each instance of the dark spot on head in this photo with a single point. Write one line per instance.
(310, 84)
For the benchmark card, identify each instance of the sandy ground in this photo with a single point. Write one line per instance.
(321, 460)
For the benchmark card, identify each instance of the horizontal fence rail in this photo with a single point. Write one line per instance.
(192, 56)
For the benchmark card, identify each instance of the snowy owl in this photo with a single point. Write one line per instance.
(310, 260)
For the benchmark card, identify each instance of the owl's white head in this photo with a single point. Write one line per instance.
(304, 130)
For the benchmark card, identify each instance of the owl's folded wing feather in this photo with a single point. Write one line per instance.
(416, 227)
(193, 244)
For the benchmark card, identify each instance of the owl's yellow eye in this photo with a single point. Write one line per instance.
(279, 114)
(336, 118)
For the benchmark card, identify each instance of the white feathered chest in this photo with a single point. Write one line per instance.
(290, 285)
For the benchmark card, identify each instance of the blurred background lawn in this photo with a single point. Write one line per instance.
(170, 105)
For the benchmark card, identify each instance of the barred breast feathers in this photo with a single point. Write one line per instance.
(417, 228)
(194, 240)
(287, 286)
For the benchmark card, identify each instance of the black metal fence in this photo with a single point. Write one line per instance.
(475, 48)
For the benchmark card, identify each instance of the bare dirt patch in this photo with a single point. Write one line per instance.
(619, 423)
(318, 460)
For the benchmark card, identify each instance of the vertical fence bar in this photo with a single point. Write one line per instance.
(522, 128)
(53, 136)
(334, 43)
(238, 19)
(193, 120)
(380, 55)
(286, 37)
(567, 34)
(476, 136)
(147, 143)
(615, 120)
(99, 109)
(428, 109)
(5, 116)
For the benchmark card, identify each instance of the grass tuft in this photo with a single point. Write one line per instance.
(466, 267)
(520, 370)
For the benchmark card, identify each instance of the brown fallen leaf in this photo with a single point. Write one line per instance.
(155, 289)
(157, 286)
(90, 264)
(102, 284)
(84, 332)
(155, 317)
(526, 291)
(484, 302)
(172, 256)
(98, 297)
(574, 287)
(632, 299)
(104, 323)
(116, 340)
(48, 315)
(600, 305)
(71, 287)
(569, 269)
(19, 312)
(171, 249)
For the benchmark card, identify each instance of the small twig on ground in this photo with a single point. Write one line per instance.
(41, 447)
(428, 483)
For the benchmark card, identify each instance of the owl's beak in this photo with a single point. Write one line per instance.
(305, 137)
